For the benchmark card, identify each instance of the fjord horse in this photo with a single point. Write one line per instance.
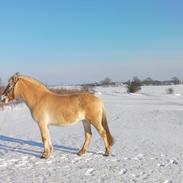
(48, 108)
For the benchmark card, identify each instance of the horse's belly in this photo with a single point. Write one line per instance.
(61, 121)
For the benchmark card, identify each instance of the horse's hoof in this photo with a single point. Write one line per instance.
(80, 153)
(106, 154)
(44, 156)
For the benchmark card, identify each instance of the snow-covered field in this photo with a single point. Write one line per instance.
(147, 127)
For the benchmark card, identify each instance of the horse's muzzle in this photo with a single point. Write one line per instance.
(3, 98)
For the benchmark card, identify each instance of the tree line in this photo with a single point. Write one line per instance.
(132, 85)
(148, 81)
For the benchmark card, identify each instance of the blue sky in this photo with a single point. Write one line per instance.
(75, 41)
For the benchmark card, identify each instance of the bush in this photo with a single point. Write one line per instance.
(170, 91)
(134, 85)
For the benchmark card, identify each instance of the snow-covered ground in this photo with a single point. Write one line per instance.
(147, 127)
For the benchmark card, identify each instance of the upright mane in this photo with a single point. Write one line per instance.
(34, 81)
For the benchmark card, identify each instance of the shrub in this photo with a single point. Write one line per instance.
(134, 85)
(170, 91)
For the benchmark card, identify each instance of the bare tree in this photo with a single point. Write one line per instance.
(175, 80)
(148, 81)
(107, 81)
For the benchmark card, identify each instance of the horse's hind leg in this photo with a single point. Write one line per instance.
(48, 148)
(103, 134)
(88, 134)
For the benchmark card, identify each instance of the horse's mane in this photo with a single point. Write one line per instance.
(34, 81)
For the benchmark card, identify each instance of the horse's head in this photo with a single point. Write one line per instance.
(8, 93)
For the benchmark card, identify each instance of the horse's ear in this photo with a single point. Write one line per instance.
(17, 74)
(15, 77)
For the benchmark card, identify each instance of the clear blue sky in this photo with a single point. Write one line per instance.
(75, 41)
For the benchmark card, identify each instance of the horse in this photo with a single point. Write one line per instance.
(48, 108)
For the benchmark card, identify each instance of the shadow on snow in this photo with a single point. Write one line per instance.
(22, 146)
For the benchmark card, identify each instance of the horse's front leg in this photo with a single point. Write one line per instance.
(48, 148)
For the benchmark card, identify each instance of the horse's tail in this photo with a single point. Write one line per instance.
(110, 139)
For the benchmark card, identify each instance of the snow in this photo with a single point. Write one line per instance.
(147, 127)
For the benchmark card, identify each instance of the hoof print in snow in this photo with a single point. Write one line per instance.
(161, 165)
(123, 171)
(173, 162)
(89, 171)
(168, 181)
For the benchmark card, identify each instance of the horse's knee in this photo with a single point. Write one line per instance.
(88, 135)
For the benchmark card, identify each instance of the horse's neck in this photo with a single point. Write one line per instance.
(29, 92)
